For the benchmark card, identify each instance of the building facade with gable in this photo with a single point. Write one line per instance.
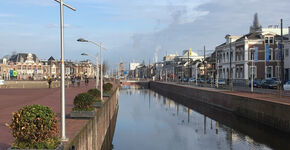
(28, 67)
(235, 57)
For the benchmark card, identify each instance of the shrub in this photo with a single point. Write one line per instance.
(107, 87)
(33, 127)
(97, 100)
(83, 102)
(95, 92)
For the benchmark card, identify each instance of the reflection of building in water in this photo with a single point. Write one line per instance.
(249, 140)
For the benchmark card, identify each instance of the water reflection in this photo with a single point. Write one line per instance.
(148, 120)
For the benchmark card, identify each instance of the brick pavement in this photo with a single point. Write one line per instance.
(13, 99)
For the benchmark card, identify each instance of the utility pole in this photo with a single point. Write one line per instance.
(252, 77)
(282, 57)
(204, 65)
(230, 74)
(173, 73)
(217, 74)
(196, 65)
(188, 63)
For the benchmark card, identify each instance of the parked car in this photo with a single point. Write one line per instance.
(185, 79)
(286, 86)
(221, 82)
(201, 80)
(269, 84)
(257, 83)
(191, 80)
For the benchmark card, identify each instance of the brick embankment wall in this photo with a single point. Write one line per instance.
(92, 135)
(274, 114)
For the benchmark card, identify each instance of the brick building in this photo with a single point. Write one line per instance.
(237, 54)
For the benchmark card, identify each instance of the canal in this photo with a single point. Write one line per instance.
(149, 121)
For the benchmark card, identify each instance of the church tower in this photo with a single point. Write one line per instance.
(256, 27)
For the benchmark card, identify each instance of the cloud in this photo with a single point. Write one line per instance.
(199, 24)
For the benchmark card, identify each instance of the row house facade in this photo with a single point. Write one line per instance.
(4, 68)
(29, 67)
(287, 57)
(235, 57)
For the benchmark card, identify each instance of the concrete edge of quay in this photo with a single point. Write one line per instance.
(271, 113)
(93, 134)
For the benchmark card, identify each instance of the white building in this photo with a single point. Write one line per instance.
(133, 66)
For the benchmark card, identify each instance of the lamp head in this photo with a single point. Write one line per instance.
(82, 40)
(84, 54)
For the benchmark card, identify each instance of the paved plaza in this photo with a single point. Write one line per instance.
(13, 99)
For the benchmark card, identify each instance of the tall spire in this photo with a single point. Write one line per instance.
(256, 27)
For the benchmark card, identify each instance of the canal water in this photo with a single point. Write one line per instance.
(150, 121)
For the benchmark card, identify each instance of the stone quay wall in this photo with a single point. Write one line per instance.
(266, 112)
(93, 134)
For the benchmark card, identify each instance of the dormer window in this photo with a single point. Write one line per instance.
(271, 40)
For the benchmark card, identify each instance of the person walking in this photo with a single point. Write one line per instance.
(73, 81)
(86, 80)
(79, 81)
(49, 80)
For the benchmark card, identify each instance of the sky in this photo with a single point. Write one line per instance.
(131, 30)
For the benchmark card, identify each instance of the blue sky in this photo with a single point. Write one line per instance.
(132, 30)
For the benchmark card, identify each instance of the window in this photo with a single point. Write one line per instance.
(270, 54)
(24, 67)
(39, 68)
(269, 71)
(19, 67)
(251, 57)
(242, 72)
(287, 52)
(254, 72)
(271, 40)
(266, 40)
(29, 67)
(277, 71)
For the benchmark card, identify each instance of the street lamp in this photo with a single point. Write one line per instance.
(101, 60)
(63, 137)
(97, 68)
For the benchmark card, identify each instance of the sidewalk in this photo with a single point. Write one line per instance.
(259, 96)
(13, 99)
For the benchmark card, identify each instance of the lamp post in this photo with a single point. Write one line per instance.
(101, 60)
(97, 68)
(252, 75)
(63, 137)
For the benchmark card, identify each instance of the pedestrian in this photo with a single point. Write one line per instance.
(73, 81)
(86, 80)
(49, 80)
(79, 81)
